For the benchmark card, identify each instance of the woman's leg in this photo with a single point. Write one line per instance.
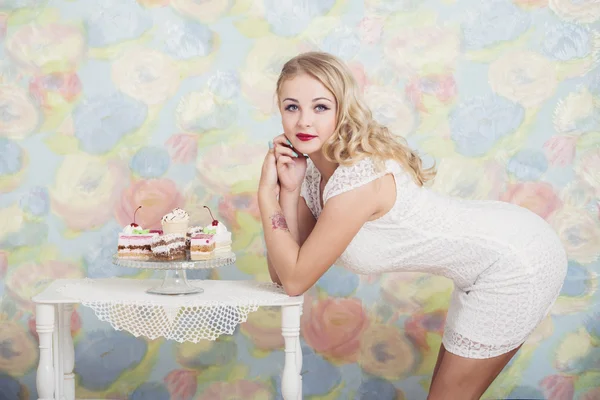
(440, 357)
(463, 378)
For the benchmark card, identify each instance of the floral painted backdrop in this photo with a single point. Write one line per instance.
(110, 104)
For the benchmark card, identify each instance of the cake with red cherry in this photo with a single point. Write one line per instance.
(135, 242)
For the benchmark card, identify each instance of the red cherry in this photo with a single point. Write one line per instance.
(214, 221)
(134, 225)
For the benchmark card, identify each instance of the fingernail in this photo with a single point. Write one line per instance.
(295, 155)
(290, 143)
(270, 144)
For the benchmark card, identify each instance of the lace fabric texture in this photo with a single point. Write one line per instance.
(126, 306)
(507, 264)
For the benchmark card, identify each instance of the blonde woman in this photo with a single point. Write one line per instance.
(359, 201)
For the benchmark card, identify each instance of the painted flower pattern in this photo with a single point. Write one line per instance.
(478, 123)
(404, 44)
(28, 279)
(524, 77)
(103, 355)
(108, 105)
(204, 11)
(461, 177)
(150, 162)
(56, 90)
(102, 121)
(185, 40)
(234, 390)
(146, 75)
(586, 11)
(18, 352)
(85, 190)
(528, 165)
(12, 157)
(157, 198)
(19, 115)
(577, 114)
(391, 109)
(494, 22)
(289, 17)
(48, 47)
(112, 21)
(579, 231)
(587, 168)
(204, 111)
(538, 197)
(333, 328)
(385, 352)
(263, 328)
(220, 170)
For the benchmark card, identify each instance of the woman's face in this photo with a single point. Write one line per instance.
(308, 113)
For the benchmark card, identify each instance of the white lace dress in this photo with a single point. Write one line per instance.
(507, 264)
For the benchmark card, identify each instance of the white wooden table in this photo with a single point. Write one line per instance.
(55, 379)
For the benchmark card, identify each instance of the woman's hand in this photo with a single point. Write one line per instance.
(291, 166)
(269, 184)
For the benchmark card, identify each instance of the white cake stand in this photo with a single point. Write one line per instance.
(175, 280)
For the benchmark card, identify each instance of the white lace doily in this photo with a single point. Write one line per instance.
(125, 304)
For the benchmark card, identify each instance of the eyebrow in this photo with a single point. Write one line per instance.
(315, 99)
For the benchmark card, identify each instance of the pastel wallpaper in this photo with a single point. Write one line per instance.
(110, 104)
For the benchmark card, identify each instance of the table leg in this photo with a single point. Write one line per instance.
(68, 354)
(299, 359)
(44, 324)
(290, 328)
(57, 352)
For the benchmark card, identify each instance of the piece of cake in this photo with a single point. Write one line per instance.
(202, 246)
(194, 230)
(135, 245)
(135, 242)
(222, 235)
(175, 222)
(169, 247)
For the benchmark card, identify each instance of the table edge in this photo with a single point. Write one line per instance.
(50, 295)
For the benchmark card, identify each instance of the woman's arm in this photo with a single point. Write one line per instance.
(300, 222)
(299, 265)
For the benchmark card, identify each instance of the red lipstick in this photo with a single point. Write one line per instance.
(305, 137)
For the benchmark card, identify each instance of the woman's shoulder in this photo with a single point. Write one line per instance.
(367, 168)
(353, 175)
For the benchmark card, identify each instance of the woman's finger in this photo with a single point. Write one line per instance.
(284, 160)
(270, 156)
(281, 140)
(284, 151)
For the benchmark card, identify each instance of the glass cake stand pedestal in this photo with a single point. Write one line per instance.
(175, 279)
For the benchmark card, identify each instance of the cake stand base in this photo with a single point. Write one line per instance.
(175, 283)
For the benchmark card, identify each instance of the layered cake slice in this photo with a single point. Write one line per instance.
(135, 245)
(135, 242)
(170, 247)
(194, 230)
(202, 246)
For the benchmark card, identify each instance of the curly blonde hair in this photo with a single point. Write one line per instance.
(357, 134)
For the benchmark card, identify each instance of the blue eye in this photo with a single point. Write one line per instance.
(291, 107)
(321, 107)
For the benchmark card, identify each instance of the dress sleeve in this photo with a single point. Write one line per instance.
(346, 178)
